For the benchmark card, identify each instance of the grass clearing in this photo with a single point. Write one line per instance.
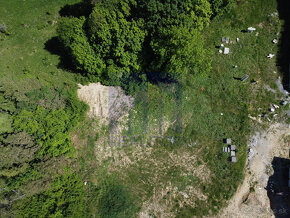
(193, 177)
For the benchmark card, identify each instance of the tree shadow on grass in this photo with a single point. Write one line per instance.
(76, 10)
(55, 47)
(284, 47)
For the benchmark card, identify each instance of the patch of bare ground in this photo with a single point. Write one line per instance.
(105, 102)
(154, 164)
(251, 198)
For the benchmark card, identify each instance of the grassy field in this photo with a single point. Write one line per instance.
(193, 177)
(214, 107)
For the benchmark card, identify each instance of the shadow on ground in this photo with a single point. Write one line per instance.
(277, 188)
(55, 47)
(284, 45)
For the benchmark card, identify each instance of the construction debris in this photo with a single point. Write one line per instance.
(233, 153)
(228, 141)
(251, 29)
(274, 14)
(226, 51)
(244, 77)
(233, 147)
(233, 159)
(283, 103)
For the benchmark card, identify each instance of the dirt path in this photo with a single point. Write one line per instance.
(264, 147)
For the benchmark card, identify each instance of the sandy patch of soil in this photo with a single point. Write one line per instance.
(107, 103)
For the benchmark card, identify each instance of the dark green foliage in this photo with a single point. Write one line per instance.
(114, 199)
(116, 41)
(18, 151)
(107, 45)
(72, 36)
(121, 40)
(51, 127)
(181, 54)
(65, 198)
(164, 13)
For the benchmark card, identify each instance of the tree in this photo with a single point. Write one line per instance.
(107, 44)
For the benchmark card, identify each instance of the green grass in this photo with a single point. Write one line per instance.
(204, 99)
(26, 66)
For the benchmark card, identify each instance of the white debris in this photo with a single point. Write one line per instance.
(85, 183)
(222, 46)
(235, 66)
(274, 72)
(257, 34)
(275, 41)
(220, 51)
(222, 114)
(270, 56)
(275, 106)
(274, 14)
(271, 109)
(237, 39)
(226, 51)
(251, 29)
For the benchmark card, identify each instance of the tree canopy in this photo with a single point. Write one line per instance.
(121, 40)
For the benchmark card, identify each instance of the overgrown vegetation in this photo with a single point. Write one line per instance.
(128, 43)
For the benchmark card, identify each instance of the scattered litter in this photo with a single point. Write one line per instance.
(226, 51)
(274, 72)
(231, 42)
(245, 77)
(270, 55)
(275, 115)
(227, 40)
(272, 109)
(85, 183)
(237, 39)
(222, 46)
(274, 14)
(257, 34)
(235, 66)
(220, 51)
(222, 114)
(223, 40)
(275, 106)
(251, 29)
(283, 103)
(275, 41)
(232, 147)
(254, 81)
